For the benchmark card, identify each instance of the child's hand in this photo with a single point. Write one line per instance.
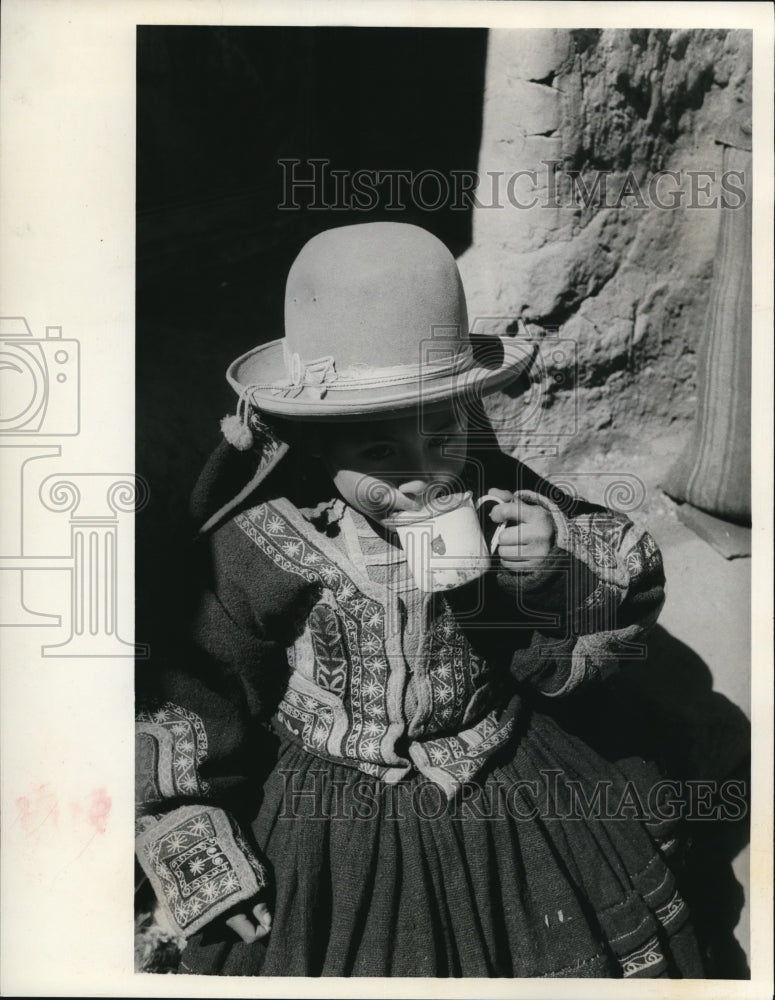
(523, 545)
(252, 927)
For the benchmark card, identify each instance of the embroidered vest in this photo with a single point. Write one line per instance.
(360, 651)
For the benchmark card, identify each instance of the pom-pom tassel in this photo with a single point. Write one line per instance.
(237, 433)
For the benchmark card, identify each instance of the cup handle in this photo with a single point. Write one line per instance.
(488, 497)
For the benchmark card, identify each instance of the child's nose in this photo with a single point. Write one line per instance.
(418, 471)
(415, 489)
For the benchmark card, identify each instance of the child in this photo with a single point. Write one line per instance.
(421, 813)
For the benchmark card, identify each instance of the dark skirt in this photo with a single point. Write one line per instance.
(527, 873)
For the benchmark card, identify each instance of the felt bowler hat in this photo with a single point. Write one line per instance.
(375, 321)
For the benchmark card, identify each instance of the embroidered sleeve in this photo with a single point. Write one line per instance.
(197, 860)
(594, 601)
(202, 744)
(171, 745)
(199, 865)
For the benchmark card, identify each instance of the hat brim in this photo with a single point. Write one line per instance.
(497, 361)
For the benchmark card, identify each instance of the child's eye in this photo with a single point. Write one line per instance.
(377, 452)
(439, 440)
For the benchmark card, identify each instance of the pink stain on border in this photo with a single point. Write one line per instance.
(39, 808)
(100, 805)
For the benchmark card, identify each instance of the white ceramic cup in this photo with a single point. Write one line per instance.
(443, 541)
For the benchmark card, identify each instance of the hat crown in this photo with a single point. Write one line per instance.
(372, 295)
(375, 322)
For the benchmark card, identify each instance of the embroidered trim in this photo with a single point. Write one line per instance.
(673, 908)
(330, 656)
(199, 864)
(171, 746)
(306, 718)
(606, 542)
(644, 958)
(454, 760)
(603, 540)
(453, 668)
(363, 621)
(347, 628)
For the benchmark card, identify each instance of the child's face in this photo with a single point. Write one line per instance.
(416, 458)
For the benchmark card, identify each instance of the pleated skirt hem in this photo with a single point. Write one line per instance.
(530, 873)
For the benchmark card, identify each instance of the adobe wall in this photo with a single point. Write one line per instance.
(623, 279)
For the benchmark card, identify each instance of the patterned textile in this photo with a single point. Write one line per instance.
(199, 865)
(714, 471)
(353, 640)
(609, 561)
(371, 680)
(171, 746)
(196, 858)
(349, 668)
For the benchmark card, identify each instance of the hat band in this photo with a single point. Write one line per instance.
(321, 375)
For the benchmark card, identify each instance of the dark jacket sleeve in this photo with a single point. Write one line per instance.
(201, 737)
(593, 603)
(590, 605)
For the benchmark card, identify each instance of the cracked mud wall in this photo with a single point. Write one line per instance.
(625, 281)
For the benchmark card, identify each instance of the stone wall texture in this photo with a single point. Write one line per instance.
(620, 284)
